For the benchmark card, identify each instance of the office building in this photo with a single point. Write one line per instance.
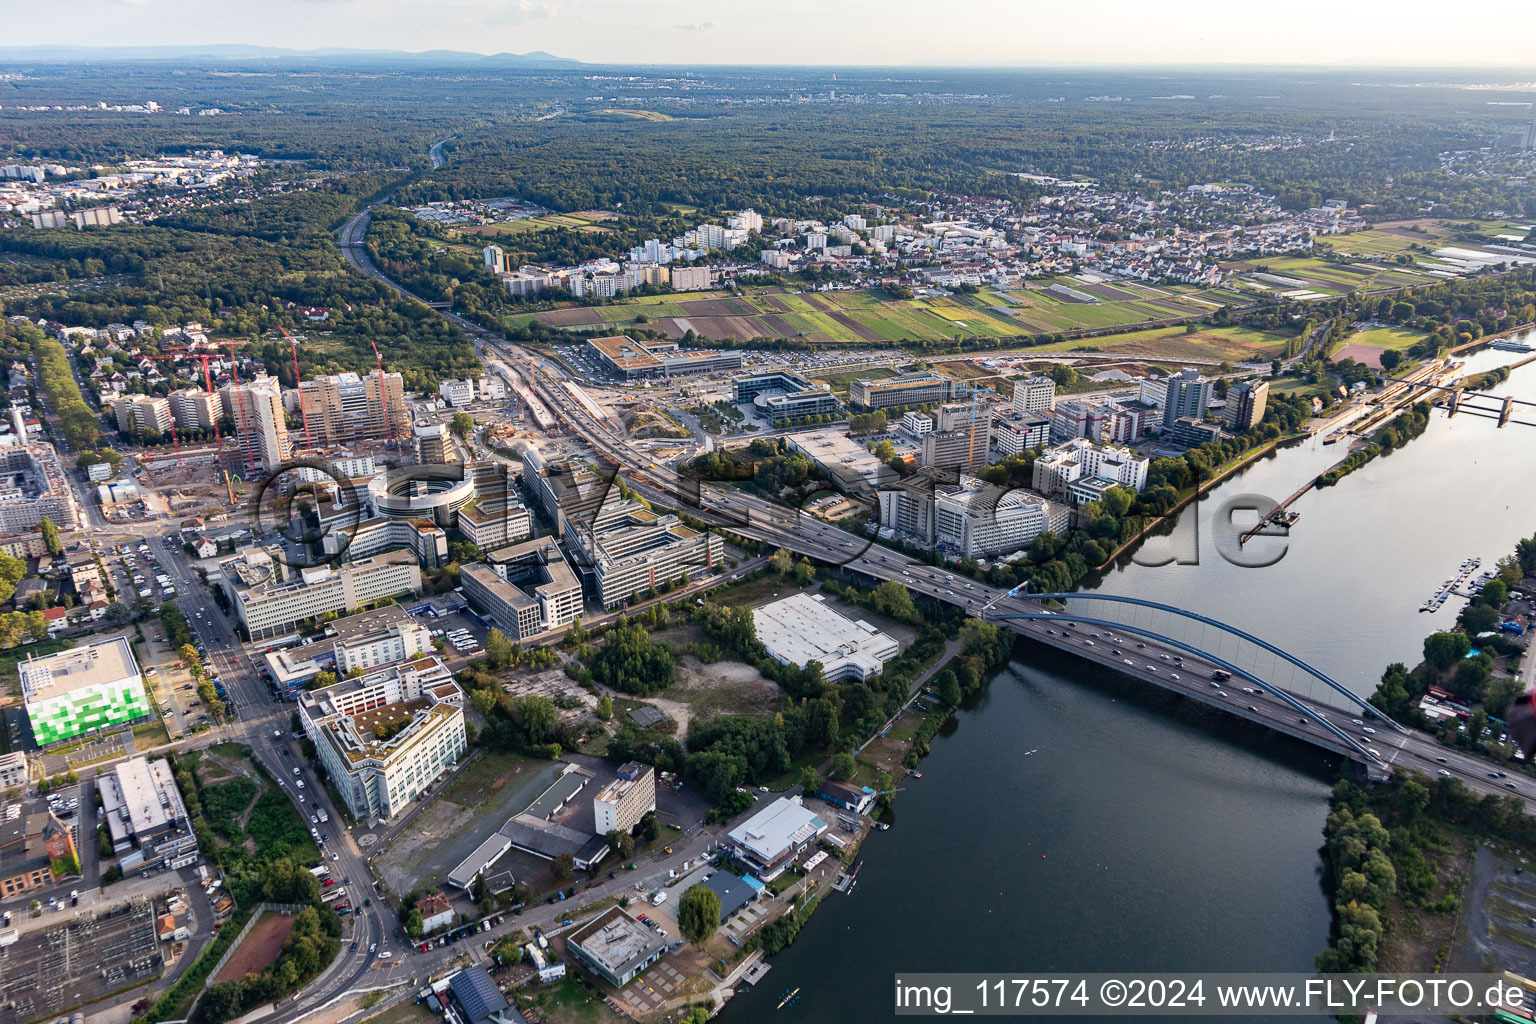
(968, 517)
(567, 491)
(801, 628)
(524, 590)
(1189, 394)
(1153, 391)
(351, 539)
(630, 359)
(81, 690)
(457, 393)
(345, 408)
(1080, 418)
(33, 487)
(495, 259)
(964, 447)
(261, 428)
(784, 396)
(616, 947)
(495, 522)
(13, 770)
(367, 640)
(1080, 459)
(638, 550)
(1021, 432)
(841, 457)
(142, 414)
(271, 599)
(624, 801)
(1130, 421)
(916, 424)
(1034, 394)
(771, 839)
(1246, 402)
(195, 410)
(32, 840)
(144, 813)
(909, 390)
(385, 736)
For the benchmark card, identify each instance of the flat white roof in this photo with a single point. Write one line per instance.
(98, 664)
(802, 628)
(776, 828)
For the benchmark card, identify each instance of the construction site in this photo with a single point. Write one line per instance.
(49, 971)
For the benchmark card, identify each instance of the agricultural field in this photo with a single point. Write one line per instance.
(853, 318)
(584, 220)
(1234, 344)
(1311, 274)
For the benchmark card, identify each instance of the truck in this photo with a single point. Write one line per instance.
(322, 815)
(320, 872)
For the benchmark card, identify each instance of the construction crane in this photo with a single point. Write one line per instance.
(383, 398)
(229, 487)
(293, 347)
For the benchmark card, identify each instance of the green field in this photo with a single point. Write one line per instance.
(1386, 337)
(1236, 344)
(861, 318)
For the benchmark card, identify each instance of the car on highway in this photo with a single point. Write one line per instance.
(1445, 773)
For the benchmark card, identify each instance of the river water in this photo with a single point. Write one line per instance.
(1072, 820)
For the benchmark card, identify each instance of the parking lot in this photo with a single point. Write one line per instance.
(445, 624)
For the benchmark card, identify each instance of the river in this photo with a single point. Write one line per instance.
(1070, 819)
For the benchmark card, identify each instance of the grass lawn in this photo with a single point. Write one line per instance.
(568, 1002)
(1386, 337)
(150, 734)
(1231, 343)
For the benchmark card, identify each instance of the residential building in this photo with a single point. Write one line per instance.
(434, 445)
(1034, 394)
(142, 414)
(771, 839)
(436, 912)
(345, 408)
(637, 550)
(13, 770)
(193, 409)
(271, 599)
(524, 590)
(693, 279)
(33, 487)
(261, 428)
(385, 736)
(624, 801)
(1080, 459)
(906, 391)
(144, 812)
(1246, 402)
(32, 841)
(1189, 394)
(81, 690)
(1020, 432)
(631, 359)
(480, 1001)
(801, 628)
(734, 892)
(616, 947)
(841, 457)
(1187, 432)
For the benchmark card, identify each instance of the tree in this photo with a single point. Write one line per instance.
(844, 766)
(781, 562)
(810, 779)
(562, 866)
(605, 707)
(648, 828)
(295, 724)
(698, 913)
(621, 843)
(461, 424)
(498, 649)
(1479, 618)
(804, 572)
(51, 536)
(1442, 650)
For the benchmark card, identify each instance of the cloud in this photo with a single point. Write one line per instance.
(697, 26)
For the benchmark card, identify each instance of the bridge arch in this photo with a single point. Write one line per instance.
(1283, 696)
(1349, 695)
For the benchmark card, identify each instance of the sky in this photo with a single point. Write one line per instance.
(827, 32)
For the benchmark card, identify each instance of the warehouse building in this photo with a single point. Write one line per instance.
(78, 691)
(802, 628)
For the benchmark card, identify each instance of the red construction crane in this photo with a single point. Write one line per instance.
(293, 347)
(383, 398)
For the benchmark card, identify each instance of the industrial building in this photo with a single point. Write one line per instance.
(525, 589)
(33, 487)
(631, 359)
(81, 690)
(146, 816)
(616, 947)
(624, 801)
(639, 550)
(271, 598)
(801, 628)
(385, 736)
(906, 391)
(772, 838)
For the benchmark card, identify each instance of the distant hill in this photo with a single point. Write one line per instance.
(244, 52)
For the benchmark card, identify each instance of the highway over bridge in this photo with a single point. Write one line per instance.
(1165, 647)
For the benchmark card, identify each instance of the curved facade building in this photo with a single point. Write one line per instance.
(417, 492)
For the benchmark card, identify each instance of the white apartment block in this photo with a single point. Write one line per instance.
(142, 414)
(1057, 470)
(1034, 394)
(624, 801)
(195, 410)
(692, 279)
